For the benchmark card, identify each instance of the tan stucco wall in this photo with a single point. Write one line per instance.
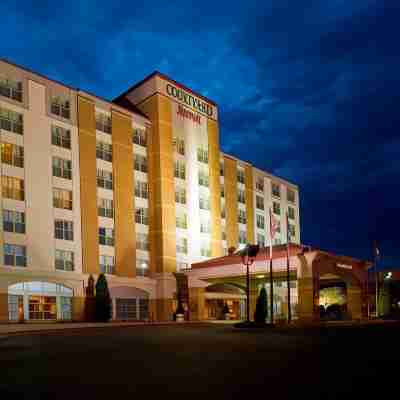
(249, 199)
(87, 159)
(124, 228)
(231, 203)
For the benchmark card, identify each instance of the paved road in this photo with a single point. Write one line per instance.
(217, 361)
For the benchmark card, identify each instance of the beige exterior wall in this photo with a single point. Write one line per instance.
(249, 198)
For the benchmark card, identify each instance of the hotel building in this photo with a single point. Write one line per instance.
(136, 188)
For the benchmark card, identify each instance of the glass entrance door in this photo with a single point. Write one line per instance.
(43, 308)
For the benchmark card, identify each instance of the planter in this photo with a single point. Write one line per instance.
(180, 317)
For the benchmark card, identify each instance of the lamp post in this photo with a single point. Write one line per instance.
(248, 254)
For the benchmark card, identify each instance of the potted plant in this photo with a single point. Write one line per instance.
(180, 313)
(226, 313)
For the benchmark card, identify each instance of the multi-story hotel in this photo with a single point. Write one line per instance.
(136, 188)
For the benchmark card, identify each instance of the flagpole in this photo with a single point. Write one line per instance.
(287, 267)
(376, 281)
(271, 283)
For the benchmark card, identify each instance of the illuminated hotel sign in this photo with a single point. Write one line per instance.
(345, 266)
(190, 100)
(188, 114)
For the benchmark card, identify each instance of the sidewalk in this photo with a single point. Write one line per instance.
(16, 329)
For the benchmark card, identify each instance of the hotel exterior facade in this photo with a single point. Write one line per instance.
(136, 188)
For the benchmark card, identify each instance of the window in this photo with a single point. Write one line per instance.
(12, 154)
(63, 230)
(241, 196)
(182, 266)
(62, 199)
(290, 196)
(141, 189)
(105, 208)
(242, 217)
(14, 255)
(204, 203)
(60, 106)
(278, 226)
(11, 121)
(106, 264)
(260, 202)
(205, 249)
(64, 260)
(62, 168)
(205, 225)
(13, 221)
(260, 221)
(140, 137)
(181, 245)
(103, 151)
(240, 175)
(181, 221)
(202, 155)
(142, 267)
(180, 169)
(277, 241)
(179, 145)
(275, 189)
(106, 236)
(13, 188)
(222, 192)
(276, 207)
(142, 241)
(11, 88)
(242, 237)
(203, 177)
(260, 240)
(260, 184)
(180, 195)
(292, 231)
(223, 234)
(104, 179)
(140, 163)
(142, 216)
(60, 137)
(103, 122)
(221, 169)
(291, 213)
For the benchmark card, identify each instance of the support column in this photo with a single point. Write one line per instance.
(78, 309)
(231, 203)
(354, 302)
(197, 303)
(305, 296)
(3, 307)
(249, 198)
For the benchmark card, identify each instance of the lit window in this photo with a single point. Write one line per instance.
(141, 189)
(221, 169)
(276, 207)
(242, 216)
(260, 202)
(12, 188)
(180, 195)
(12, 154)
(260, 184)
(241, 196)
(203, 177)
(205, 225)
(290, 196)
(260, 221)
(181, 245)
(202, 155)
(240, 175)
(276, 191)
(179, 145)
(62, 199)
(204, 202)
(181, 221)
(242, 237)
(260, 240)
(142, 216)
(142, 241)
(291, 213)
(142, 267)
(180, 169)
(205, 249)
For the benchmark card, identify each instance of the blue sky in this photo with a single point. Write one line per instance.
(308, 90)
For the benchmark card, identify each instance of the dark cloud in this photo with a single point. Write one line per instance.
(308, 90)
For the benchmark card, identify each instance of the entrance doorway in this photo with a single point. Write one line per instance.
(333, 300)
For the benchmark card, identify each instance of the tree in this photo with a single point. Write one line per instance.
(384, 300)
(261, 307)
(103, 300)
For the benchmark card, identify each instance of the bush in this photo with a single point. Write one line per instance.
(103, 300)
(225, 310)
(261, 307)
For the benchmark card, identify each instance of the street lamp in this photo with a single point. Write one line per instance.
(248, 255)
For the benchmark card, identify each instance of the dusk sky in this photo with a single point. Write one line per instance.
(308, 90)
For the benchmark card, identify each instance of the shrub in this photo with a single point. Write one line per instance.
(261, 307)
(103, 300)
